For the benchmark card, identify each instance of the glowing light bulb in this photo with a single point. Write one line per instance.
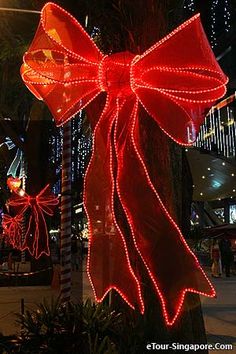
(21, 192)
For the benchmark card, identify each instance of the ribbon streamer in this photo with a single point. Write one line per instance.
(36, 237)
(176, 81)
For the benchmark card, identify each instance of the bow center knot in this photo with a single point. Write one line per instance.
(33, 201)
(114, 74)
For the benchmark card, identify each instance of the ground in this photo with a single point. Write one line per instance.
(219, 313)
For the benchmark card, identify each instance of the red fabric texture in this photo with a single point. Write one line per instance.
(36, 239)
(176, 81)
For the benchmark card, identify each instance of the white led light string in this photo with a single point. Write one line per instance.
(189, 5)
(227, 16)
(220, 135)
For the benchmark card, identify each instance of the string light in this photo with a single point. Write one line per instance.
(227, 16)
(217, 9)
(11, 274)
(81, 146)
(222, 139)
(190, 5)
(213, 23)
(217, 18)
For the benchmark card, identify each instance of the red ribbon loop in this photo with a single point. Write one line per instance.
(36, 239)
(12, 227)
(176, 87)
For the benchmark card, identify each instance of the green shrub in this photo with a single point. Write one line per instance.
(72, 328)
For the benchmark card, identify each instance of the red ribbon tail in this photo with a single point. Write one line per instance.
(41, 234)
(29, 240)
(18, 238)
(108, 259)
(11, 235)
(172, 267)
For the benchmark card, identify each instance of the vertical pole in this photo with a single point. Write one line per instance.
(22, 306)
(226, 211)
(65, 237)
(24, 221)
(80, 274)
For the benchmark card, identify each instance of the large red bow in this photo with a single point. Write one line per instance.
(176, 81)
(36, 238)
(12, 227)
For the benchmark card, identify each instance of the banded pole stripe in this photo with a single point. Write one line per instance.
(23, 186)
(65, 239)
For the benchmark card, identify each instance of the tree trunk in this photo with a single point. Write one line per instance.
(135, 26)
(36, 150)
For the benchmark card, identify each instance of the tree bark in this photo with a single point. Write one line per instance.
(37, 149)
(135, 27)
(36, 153)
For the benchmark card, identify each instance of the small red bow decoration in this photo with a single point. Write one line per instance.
(12, 227)
(36, 237)
(176, 81)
